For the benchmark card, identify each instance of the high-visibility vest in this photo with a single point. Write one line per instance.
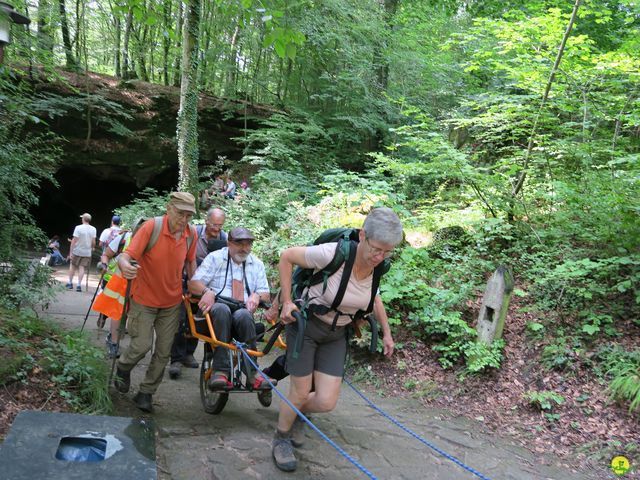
(110, 301)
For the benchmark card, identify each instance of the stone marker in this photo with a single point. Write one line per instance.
(495, 304)
(66, 446)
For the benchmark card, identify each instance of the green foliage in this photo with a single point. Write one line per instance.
(25, 283)
(25, 161)
(295, 142)
(77, 369)
(621, 368)
(544, 400)
(105, 113)
(149, 203)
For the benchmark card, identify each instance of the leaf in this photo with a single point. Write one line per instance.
(280, 48)
(590, 329)
(535, 326)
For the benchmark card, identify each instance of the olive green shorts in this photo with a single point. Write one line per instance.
(323, 350)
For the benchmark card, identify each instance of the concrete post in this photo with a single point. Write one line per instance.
(495, 304)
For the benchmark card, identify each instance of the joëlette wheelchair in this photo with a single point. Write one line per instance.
(201, 326)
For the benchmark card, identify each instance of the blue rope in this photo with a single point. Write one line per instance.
(241, 347)
(415, 435)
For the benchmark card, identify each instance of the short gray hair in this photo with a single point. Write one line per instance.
(383, 225)
(213, 210)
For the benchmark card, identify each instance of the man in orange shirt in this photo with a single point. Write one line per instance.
(156, 292)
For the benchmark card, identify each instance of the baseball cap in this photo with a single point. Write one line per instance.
(240, 233)
(86, 217)
(115, 219)
(183, 201)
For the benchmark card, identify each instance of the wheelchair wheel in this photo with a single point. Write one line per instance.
(212, 402)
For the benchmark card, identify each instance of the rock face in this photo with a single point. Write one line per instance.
(120, 137)
(132, 129)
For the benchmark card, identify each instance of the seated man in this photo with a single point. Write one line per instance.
(232, 272)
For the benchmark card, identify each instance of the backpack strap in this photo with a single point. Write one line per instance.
(344, 281)
(380, 270)
(155, 234)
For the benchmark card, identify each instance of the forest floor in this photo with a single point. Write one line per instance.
(587, 430)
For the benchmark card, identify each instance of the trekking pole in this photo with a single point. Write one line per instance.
(123, 324)
(92, 300)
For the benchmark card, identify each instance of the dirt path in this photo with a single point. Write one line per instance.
(192, 445)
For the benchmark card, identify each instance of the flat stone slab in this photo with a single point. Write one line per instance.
(32, 450)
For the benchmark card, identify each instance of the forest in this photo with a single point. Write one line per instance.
(502, 133)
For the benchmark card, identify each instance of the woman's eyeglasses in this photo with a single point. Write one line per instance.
(378, 251)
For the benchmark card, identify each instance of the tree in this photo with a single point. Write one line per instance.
(187, 132)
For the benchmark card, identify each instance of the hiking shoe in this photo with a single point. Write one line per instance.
(69, 286)
(174, 370)
(190, 362)
(143, 401)
(122, 381)
(78, 288)
(260, 383)
(219, 381)
(297, 432)
(282, 451)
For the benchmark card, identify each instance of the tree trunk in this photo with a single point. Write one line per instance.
(230, 90)
(176, 63)
(380, 58)
(187, 132)
(166, 42)
(45, 37)
(126, 69)
(66, 40)
(118, 35)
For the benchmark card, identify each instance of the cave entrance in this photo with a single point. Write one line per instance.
(83, 189)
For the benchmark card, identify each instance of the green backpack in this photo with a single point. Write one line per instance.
(303, 278)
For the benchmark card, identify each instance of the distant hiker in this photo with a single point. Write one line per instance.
(324, 345)
(54, 250)
(110, 233)
(183, 347)
(229, 189)
(236, 273)
(110, 301)
(162, 248)
(82, 244)
(218, 186)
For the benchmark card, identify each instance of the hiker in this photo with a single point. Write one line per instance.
(82, 244)
(54, 250)
(110, 233)
(110, 301)
(183, 347)
(232, 272)
(321, 358)
(229, 189)
(162, 248)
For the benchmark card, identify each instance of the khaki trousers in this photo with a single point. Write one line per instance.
(142, 321)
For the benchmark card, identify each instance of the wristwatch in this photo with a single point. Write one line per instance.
(206, 289)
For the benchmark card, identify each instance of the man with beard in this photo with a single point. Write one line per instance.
(233, 272)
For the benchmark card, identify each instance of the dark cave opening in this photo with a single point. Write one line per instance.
(83, 189)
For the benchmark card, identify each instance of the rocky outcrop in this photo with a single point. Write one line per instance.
(131, 133)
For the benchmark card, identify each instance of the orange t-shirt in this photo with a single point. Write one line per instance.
(159, 280)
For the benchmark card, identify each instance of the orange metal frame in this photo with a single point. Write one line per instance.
(212, 336)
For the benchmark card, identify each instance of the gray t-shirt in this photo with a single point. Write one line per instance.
(85, 234)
